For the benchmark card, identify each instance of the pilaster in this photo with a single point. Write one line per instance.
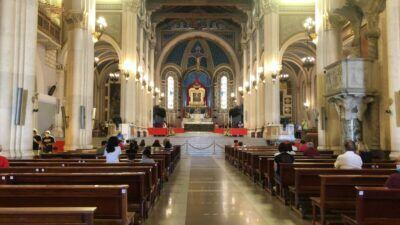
(18, 36)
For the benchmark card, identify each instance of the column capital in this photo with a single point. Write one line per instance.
(76, 19)
(131, 5)
(270, 6)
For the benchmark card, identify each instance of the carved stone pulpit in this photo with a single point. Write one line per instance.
(350, 86)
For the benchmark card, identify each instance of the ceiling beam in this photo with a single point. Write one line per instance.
(158, 17)
(156, 4)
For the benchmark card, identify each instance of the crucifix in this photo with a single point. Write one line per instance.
(197, 55)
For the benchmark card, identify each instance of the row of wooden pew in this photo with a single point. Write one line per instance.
(313, 187)
(105, 194)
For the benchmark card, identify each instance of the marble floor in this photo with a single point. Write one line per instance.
(205, 190)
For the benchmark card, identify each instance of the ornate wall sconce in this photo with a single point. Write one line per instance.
(138, 74)
(240, 90)
(283, 76)
(309, 26)
(261, 75)
(101, 25)
(275, 70)
(114, 77)
(306, 105)
(247, 87)
(253, 82)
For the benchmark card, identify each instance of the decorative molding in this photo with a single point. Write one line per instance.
(76, 19)
(131, 5)
(270, 6)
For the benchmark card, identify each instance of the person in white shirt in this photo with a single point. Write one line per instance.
(113, 151)
(349, 159)
(146, 156)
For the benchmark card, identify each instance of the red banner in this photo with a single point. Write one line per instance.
(219, 130)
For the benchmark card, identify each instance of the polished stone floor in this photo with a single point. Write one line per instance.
(205, 190)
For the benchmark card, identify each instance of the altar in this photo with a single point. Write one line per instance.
(197, 113)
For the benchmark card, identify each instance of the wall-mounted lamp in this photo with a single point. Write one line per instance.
(240, 90)
(309, 26)
(247, 87)
(306, 105)
(261, 75)
(114, 77)
(275, 70)
(101, 25)
(283, 76)
(253, 82)
(138, 74)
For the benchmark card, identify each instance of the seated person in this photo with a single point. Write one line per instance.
(146, 156)
(311, 151)
(3, 160)
(394, 180)
(235, 143)
(303, 146)
(48, 142)
(142, 143)
(156, 143)
(349, 159)
(132, 150)
(283, 156)
(113, 151)
(100, 151)
(167, 145)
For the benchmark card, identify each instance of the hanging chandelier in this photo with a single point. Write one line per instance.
(308, 62)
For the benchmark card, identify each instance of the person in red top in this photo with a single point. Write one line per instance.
(3, 160)
(303, 146)
(394, 180)
(310, 151)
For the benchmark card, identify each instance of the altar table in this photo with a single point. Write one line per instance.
(238, 131)
(158, 131)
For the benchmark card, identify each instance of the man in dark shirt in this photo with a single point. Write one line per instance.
(48, 142)
(37, 141)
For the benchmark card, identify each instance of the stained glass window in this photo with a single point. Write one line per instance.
(224, 92)
(171, 92)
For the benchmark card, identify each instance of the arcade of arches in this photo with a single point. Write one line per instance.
(256, 59)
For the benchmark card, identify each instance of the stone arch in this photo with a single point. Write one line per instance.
(293, 39)
(197, 34)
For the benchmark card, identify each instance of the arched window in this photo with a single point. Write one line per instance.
(170, 93)
(224, 92)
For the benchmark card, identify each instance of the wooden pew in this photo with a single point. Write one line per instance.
(160, 170)
(286, 178)
(308, 184)
(269, 174)
(47, 216)
(338, 193)
(375, 205)
(136, 182)
(151, 188)
(110, 200)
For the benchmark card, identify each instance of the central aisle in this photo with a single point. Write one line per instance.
(204, 190)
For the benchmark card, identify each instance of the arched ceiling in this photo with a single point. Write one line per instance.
(292, 57)
(108, 57)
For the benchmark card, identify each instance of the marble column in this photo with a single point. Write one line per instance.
(18, 36)
(151, 102)
(129, 60)
(393, 48)
(329, 50)
(245, 83)
(81, 18)
(271, 56)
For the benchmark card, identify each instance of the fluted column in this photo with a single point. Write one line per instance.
(81, 18)
(271, 56)
(245, 82)
(393, 48)
(18, 24)
(329, 50)
(129, 60)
